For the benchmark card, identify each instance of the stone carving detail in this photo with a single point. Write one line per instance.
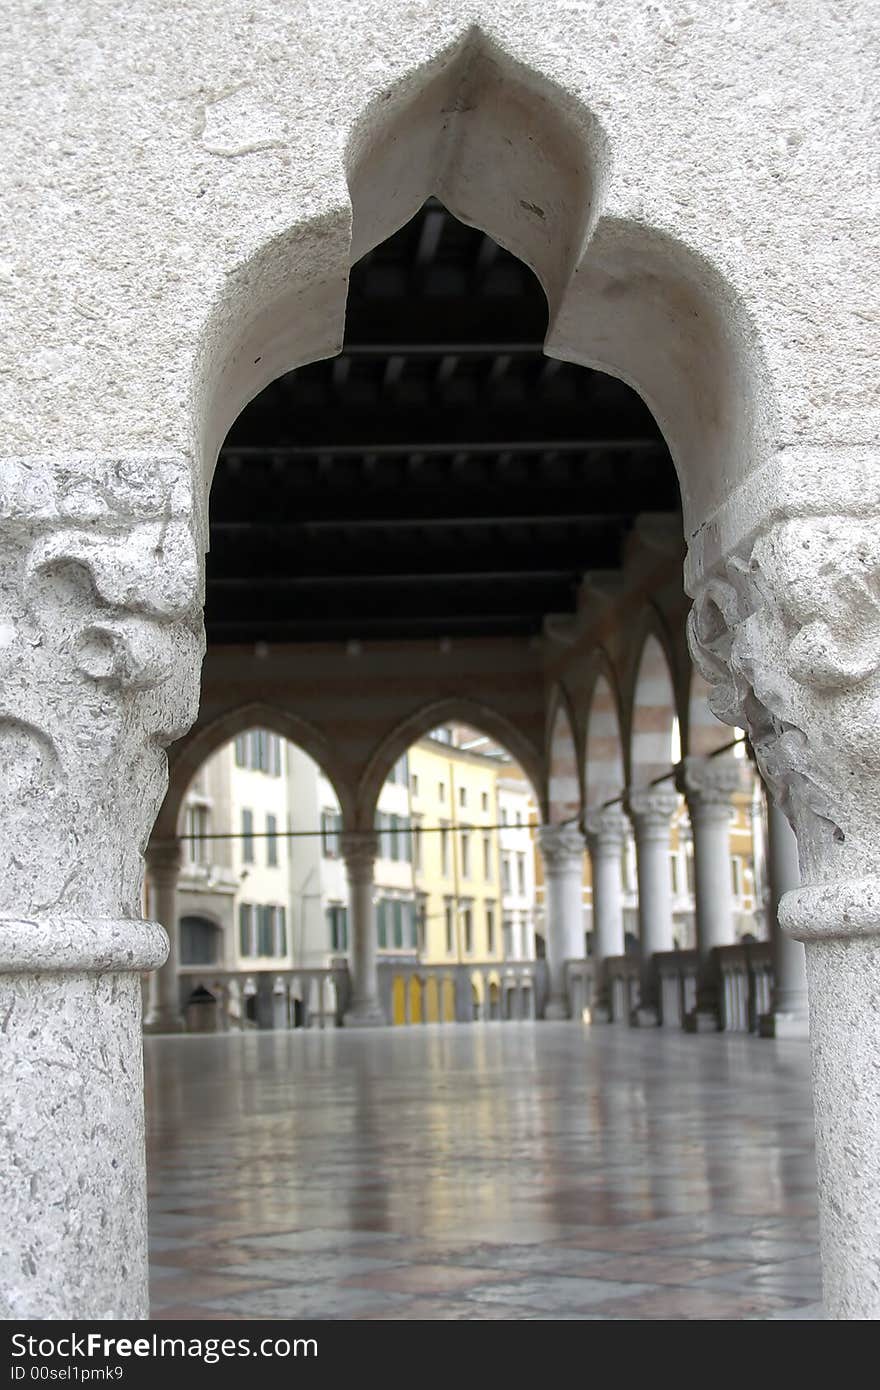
(709, 783)
(100, 647)
(360, 849)
(651, 809)
(606, 830)
(788, 637)
(561, 846)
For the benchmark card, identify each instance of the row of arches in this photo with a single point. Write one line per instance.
(598, 742)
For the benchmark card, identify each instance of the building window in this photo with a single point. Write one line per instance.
(487, 858)
(417, 845)
(490, 930)
(247, 836)
(503, 815)
(422, 924)
(280, 931)
(449, 921)
(519, 819)
(199, 941)
(414, 784)
(260, 751)
(271, 841)
(337, 927)
(399, 774)
(246, 942)
(331, 834)
(521, 874)
(462, 796)
(197, 824)
(265, 930)
(505, 873)
(397, 920)
(507, 932)
(441, 791)
(381, 923)
(484, 801)
(465, 854)
(444, 851)
(736, 877)
(673, 870)
(467, 921)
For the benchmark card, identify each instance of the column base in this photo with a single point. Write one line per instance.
(556, 1010)
(782, 1025)
(164, 1021)
(367, 1014)
(702, 1021)
(645, 1016)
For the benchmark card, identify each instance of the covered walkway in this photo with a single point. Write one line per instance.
(537, 1171)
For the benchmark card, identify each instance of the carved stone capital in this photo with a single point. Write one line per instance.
(709, 784)
(651, 809)
(562, 848)
(788, 636)
(606, 831)
(100, 648)
(360, 850)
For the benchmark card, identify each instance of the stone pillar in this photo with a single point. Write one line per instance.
(651, 809)
(163, 866)
(100, 590)
(606, 834)
(708, 784)
(359, 852)
(786, 628)
(790, 1014)
(562, 848)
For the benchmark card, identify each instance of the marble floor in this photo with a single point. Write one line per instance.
(500, 1171)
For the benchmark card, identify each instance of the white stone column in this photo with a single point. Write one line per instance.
(606, 834)
(786, 627)
(790, 1014)
(651, 810)
(359, 851)
(100, 591)
(562, 849)
(709, 784)
(163, 866)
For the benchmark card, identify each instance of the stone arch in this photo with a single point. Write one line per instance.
(653, 711)
(429, 717)
(604, 762)
(564, 789)
(705, 733)
(187, 757)
(511, 151)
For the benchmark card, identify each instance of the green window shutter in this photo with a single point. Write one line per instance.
(244, 933)
(381, 921)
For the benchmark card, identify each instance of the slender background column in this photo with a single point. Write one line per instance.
(709, 784)
(562, 849)
(651, 810)
(163, 860)
(790, 1015)
(359, 852)
(606, 832)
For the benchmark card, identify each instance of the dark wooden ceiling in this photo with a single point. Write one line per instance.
(441, 477)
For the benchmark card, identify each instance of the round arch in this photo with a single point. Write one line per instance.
(429, 717)
(653, 706)
(564, 783)
(704, 733)
(186, 757)
(605, 771)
